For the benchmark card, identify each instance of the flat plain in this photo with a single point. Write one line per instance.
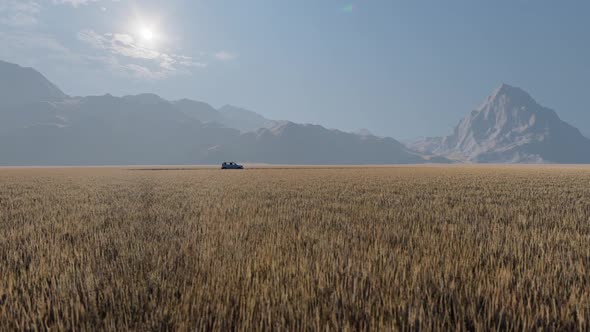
(360, 248)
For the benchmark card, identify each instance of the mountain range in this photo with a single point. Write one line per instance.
(41, 125)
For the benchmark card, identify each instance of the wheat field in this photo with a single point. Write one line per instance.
(376, 248)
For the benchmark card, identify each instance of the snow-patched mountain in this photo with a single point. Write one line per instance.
(510, 127)
(40, 125)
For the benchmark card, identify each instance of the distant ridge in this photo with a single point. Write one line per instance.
(292, 143)
(243, 119)
(364, 132)
(40, 125)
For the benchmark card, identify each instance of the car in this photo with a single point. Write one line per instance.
(231, 165)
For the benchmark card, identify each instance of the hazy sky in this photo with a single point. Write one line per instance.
(399, 68)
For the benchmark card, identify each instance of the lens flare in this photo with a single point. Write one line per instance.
(348, 8)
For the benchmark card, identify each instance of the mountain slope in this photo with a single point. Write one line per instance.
(106, 130)
(291, 143)
(511, 127)
(19, 85)
(244, 120)
(200, 111)
(227, 116)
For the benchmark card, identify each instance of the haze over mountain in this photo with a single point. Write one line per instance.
(510, 127)
(227, 116)
(21, 85)
(41, 125)
(364, 132)
(291, 143)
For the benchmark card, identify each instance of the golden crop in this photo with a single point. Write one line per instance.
(400, 248)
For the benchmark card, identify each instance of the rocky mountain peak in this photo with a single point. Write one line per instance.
(508, 97)
(510, 126)
(509, 111)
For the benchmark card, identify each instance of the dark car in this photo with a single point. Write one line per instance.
(231, 165)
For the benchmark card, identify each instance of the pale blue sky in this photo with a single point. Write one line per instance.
(399, 68)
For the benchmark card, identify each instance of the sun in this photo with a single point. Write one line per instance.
(146, 31)
(147, 34)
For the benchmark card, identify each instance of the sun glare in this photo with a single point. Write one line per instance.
(146, 29)
(147, 34)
